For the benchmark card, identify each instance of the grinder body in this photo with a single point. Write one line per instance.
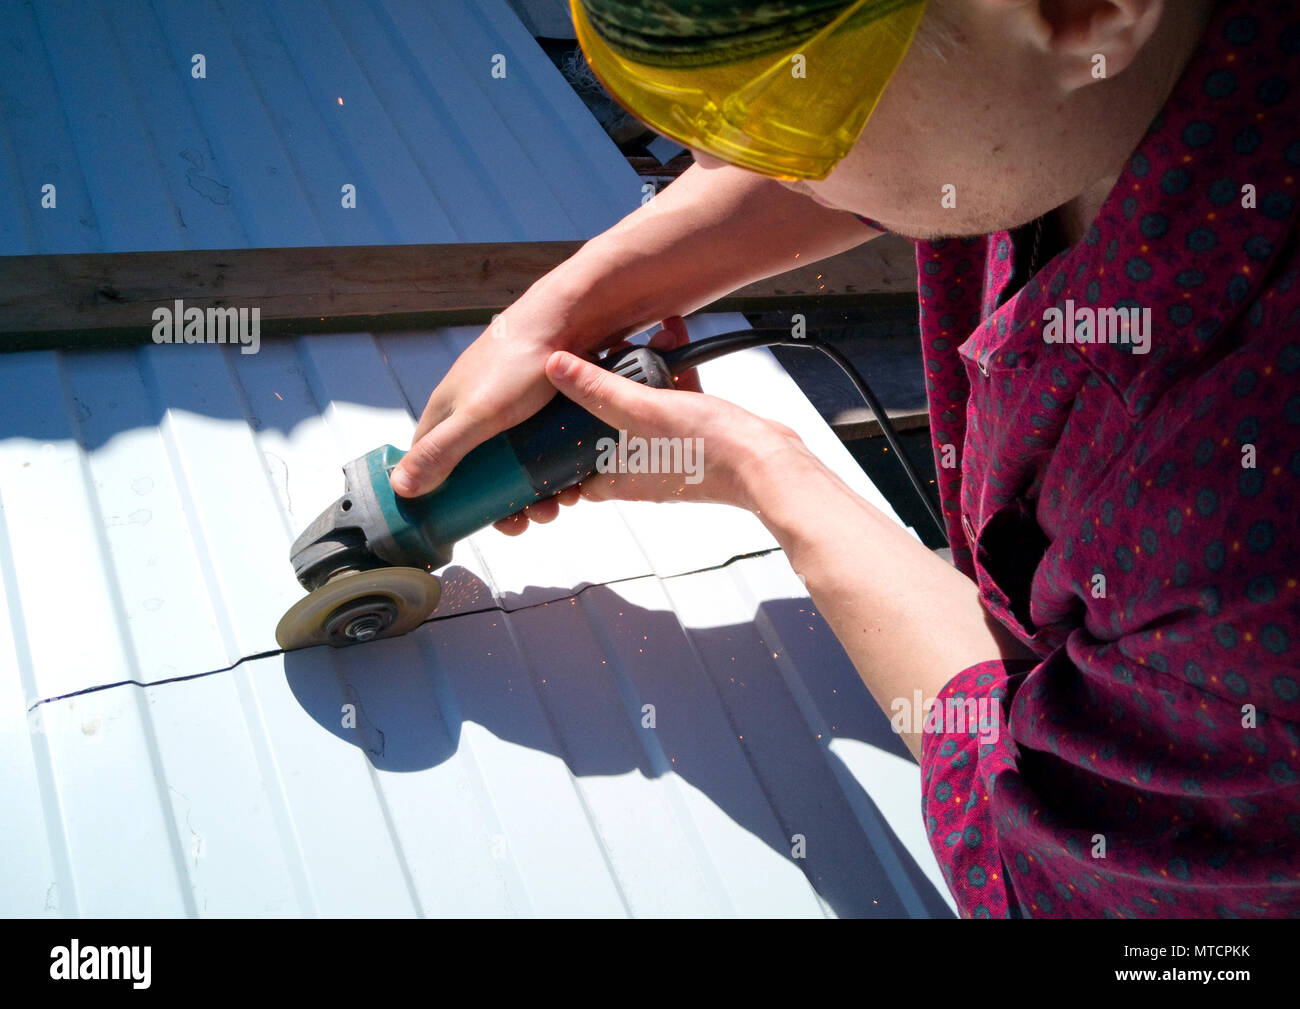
(550, 451)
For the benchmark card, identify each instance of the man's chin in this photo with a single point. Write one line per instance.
(921, 234)
(910, 231)
(915, 234)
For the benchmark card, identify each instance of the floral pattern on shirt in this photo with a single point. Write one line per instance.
(1132, 518)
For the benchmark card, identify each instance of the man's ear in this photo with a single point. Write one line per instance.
(1092, 40)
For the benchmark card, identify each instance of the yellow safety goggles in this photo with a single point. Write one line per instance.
(791, 114)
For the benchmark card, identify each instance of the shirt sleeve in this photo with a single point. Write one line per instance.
(959, 746)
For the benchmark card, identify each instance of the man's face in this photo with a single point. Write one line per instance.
(1000, 112)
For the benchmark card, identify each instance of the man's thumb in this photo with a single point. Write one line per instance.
(618, 401)
(586, 384)
(434, 456)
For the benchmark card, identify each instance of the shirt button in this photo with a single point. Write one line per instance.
(983, 366)
(966, 528)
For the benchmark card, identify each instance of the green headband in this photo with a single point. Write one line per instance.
(697, 33)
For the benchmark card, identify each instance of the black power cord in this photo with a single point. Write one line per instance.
(701, 351)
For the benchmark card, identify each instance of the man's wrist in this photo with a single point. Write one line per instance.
(589, 301)
(809, 509)
(774, 472)
(553, 313)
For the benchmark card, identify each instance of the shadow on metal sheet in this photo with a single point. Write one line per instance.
(727, 719)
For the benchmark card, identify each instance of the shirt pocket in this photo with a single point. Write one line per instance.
(1007, 551)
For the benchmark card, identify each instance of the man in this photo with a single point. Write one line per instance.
(1103, 197)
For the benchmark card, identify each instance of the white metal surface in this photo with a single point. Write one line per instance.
(446, 117)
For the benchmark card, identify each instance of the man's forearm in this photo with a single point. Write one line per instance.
(907, 619)
(709, 233)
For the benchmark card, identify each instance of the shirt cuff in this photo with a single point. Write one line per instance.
(962, 747)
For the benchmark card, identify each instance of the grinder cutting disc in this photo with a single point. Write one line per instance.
(359, 606)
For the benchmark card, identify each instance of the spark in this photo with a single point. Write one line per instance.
(340, 100)
(279, 397)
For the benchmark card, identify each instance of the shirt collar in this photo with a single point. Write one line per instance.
(1178, 233)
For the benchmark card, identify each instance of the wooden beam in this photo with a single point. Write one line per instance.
(109, 298)
(653, 166)
(879, 272)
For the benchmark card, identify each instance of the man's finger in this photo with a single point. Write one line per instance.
(673, 335)
(598, 487)
(546, 510)
(674, 332)
(512, 525)
(618, 401)
(570, 495)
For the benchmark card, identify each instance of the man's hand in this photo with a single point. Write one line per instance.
(496, 383)
(723, 436)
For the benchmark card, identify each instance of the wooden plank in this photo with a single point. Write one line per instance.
(877, 273)
(859, 422)
(108, 298)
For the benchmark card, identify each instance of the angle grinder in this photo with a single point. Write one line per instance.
(366, 560)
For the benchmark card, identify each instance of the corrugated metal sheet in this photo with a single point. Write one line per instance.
(160, 757)
(395, 97)
(545, 18)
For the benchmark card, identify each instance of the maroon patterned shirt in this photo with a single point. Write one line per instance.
(1132, 517)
